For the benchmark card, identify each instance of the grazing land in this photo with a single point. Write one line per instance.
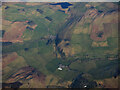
(60, 45)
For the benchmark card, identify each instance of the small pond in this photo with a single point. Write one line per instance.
(64, 5)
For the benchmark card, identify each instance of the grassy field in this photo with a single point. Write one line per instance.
(92, 57)
(13, 67)
(44, 27)
(38, 54)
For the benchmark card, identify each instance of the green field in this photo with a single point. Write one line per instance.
(63, 38)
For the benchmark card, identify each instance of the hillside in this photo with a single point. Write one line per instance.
(60, 45)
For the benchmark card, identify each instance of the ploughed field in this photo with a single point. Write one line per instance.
(70, 45)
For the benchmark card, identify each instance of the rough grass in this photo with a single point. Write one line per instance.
(83, 66)
(13, 67)
(44, 27)
(82, 45)
(109, 82)
(54, 64)
(38, 57)
(104, 69)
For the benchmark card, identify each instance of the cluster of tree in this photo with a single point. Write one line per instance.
(2, 32)
(48, 18)
(7, 7)
(40, 11)
(21, 9)
(29, 28)
(31, 23)
(81, 82)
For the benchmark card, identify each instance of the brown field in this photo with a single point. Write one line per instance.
(91, 13)
(94, 33)
(109, 82)
(7, 59)
(35, 3)
(27, 73)
(104, 23)
(15, 32)
(6, 22)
